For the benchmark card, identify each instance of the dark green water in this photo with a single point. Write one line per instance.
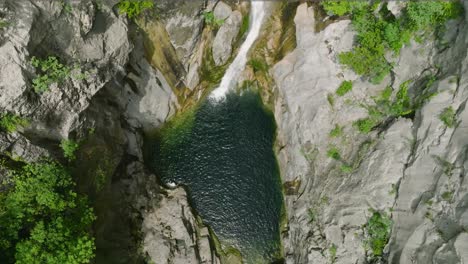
(223, 154)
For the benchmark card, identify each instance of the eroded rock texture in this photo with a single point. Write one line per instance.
(412, 168)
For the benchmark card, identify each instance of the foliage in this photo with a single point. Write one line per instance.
(312, 215)
(133, 8)
(258, 65)
(244, 26)
(52, 71)
(346, 168)
(385, 107)
(210, 19)
(42, 220)
(69, 147)
(379, 31)
(10, 122)
(331, 99)
(337, 131)
(447, 196)
(344, 88)
(332, 253)
(3, 24)
(340, 8)
(67, 7)
(378, 231)
(448, 117)
(421, 15)
(365, 125)
(334, 153)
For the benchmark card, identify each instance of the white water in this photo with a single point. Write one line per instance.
(257, 14)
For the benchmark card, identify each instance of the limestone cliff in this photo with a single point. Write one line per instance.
(128, 76)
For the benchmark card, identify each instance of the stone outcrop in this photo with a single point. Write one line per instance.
(410, 169)
(110, 97)
(222, 44)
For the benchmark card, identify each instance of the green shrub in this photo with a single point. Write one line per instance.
(133, 8)
(346, 168)
(337, 131)
(211, 20)
(332, 253)
(447, 196)
(334, 153)
(10, 122)
(340, 8)
(344, 88)
(244, 26)
(69, 147)
(448, 117)
(378, 230)
(43, 220)
(421, 15)
(379, 32)
(258, 65)
(51, 71)
(365, 125)
(331, 99)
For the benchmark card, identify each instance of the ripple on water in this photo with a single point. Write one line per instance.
(225, 159)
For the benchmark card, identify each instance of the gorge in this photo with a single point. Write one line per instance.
(225, 131)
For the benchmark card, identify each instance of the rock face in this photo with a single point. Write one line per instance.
(222, 44)
(110, 97)
(176, 226)
(411, 170)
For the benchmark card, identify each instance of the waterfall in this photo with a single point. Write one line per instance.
(257, 14)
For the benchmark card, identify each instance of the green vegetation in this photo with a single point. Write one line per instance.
(385, 107)
(258, 65)
(334, 153)
(332, 253)
(337, 131)
(340, 8)
(10, 122)
(346, 168)
(448, 117)
(344, 88)
(379, 31)
(3, 24)
(331, 99)
(69, 147)
(244, 26)
(51, 71)
(67, 7)
(378, 231)
(42, 219)
(365, 125)
(211, 20)
(312, 215)
(133, 8)
(447, 196)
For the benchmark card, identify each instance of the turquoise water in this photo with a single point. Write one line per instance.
(224, 157)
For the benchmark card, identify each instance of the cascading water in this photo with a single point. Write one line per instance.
(257, 14)
(222, 153)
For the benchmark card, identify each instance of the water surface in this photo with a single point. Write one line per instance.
(223, 155)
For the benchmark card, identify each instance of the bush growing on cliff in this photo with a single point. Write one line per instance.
(378, 232)
(51, 71)
(69, 147)
(10, 122)
(380, 32)
(344, 88)
(42, 219)
(448, 117)
(210, 19)
(133, 8)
